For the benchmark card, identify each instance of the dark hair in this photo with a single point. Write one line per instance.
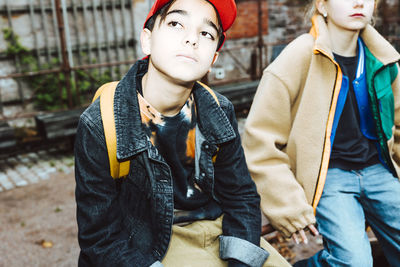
(162, 12)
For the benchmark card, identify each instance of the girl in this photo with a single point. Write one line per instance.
(322, 138)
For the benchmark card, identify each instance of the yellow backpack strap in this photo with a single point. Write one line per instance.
(216, 100)
(210, 91)
(106, 93)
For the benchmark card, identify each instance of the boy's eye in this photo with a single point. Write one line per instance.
(207, 35)
(175, 24)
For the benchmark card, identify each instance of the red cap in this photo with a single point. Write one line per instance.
(226, 11)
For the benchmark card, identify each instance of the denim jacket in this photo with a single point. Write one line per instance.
(128, 221)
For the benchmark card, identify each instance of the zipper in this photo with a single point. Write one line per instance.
(327, 144)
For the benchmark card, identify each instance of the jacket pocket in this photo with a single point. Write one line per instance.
(386, 108)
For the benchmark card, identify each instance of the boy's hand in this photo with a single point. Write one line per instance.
(303, 236)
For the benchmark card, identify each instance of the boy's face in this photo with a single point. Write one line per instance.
(352, 15)
(183, 46)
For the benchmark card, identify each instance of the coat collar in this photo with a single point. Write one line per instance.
(376, 43)
(379, 46)
(320, 32)
(131, 138)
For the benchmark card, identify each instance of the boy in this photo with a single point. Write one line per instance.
(188, 193)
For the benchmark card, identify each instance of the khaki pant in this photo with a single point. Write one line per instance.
(197, 245)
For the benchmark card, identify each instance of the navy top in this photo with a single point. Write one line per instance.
(351, 150)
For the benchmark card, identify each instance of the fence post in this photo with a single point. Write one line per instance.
(66, 68)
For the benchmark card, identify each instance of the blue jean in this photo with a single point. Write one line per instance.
(349, 200)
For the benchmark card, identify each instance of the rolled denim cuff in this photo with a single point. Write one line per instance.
(231, 247)
(157, 264)
(236, 263)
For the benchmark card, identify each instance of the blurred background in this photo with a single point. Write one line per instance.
(54, 54)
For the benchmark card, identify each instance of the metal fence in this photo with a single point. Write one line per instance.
(75, 46)
(76, 43)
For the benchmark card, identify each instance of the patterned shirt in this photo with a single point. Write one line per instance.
(174, 137)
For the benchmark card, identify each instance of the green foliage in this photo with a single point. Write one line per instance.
(50, 90)
(14, 48)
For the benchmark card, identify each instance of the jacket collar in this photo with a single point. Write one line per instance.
(131, 138)
(212, 120)
(378, 46)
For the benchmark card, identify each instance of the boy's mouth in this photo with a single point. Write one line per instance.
(187, 58)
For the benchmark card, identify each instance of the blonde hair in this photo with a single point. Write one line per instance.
(311, 9)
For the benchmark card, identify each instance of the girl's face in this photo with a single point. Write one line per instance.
(349, 15)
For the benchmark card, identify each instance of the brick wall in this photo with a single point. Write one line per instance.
(388, 22)
(286, 20)
(246, 23)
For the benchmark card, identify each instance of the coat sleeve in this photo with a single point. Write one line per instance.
(102, 239)
(267, 130)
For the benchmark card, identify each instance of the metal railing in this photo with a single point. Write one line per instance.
(62, 42)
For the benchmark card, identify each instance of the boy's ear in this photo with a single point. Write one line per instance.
(145, 41)
(215, 58)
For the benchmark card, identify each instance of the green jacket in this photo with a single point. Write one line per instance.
(380, 77)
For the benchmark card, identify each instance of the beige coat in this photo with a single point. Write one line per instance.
(287, 133)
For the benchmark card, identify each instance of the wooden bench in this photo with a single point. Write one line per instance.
(379, 259)
(7, 137)
(240, 94)
(58, 125)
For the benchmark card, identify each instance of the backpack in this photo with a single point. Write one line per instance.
(106, 93)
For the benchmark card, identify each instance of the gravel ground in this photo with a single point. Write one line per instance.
(38, 224)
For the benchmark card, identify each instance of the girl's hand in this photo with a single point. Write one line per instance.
(303, 236)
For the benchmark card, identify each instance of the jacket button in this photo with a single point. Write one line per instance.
(203, 174)
(206, 146)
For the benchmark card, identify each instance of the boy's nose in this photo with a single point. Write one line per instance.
(191, 39)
